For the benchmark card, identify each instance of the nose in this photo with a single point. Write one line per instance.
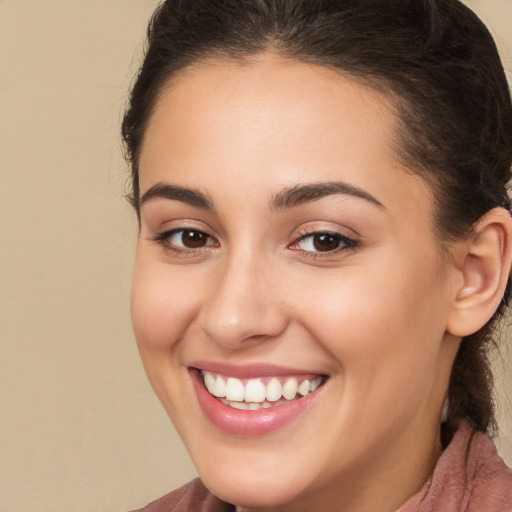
(243, 305)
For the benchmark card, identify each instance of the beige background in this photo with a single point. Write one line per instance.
(80, 429)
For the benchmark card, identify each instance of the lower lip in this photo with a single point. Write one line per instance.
(248, 423)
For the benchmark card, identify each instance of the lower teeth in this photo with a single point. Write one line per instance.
(254, 406)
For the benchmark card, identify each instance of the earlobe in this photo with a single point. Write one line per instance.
(484, 268)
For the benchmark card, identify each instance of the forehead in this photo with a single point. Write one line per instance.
(272, 123)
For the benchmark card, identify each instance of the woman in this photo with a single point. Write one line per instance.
(325, 245)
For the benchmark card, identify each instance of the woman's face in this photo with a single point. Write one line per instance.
(285, 252)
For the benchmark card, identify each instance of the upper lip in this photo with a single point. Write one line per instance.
(250, 371)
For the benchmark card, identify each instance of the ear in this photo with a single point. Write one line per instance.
(484, 266)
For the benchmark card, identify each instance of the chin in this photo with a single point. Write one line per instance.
(271, 489)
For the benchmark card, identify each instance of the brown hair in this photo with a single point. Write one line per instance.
(434, 58)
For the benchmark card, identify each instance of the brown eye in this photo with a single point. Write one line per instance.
(324, 242)
(180, 240)
(193, 239)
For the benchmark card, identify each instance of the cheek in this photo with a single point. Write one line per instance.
(386, 322)
(162, 308)
(162, 305)
(385, 350)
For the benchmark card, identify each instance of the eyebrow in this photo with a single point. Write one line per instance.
(287, 198)
(310, 192)
(176, 193)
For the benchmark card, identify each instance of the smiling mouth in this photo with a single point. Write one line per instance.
(259, 393)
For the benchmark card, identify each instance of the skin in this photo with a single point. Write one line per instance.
(373, 317)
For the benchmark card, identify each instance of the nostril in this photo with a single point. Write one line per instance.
(240, 308)
(247, 325)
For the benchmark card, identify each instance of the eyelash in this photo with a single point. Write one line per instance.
(162, 239)
(345, 243)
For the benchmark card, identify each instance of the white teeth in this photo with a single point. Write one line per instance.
(239, 405)
(290, 388)
(219, 389)
(303, 389)
(314, 384)
(234, 390)
(274, 390)
(209, 382)
(255, 391)
(255, 394)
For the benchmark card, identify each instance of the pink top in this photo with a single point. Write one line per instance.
(470, 476)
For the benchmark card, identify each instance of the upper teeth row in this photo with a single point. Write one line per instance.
(256, 391)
